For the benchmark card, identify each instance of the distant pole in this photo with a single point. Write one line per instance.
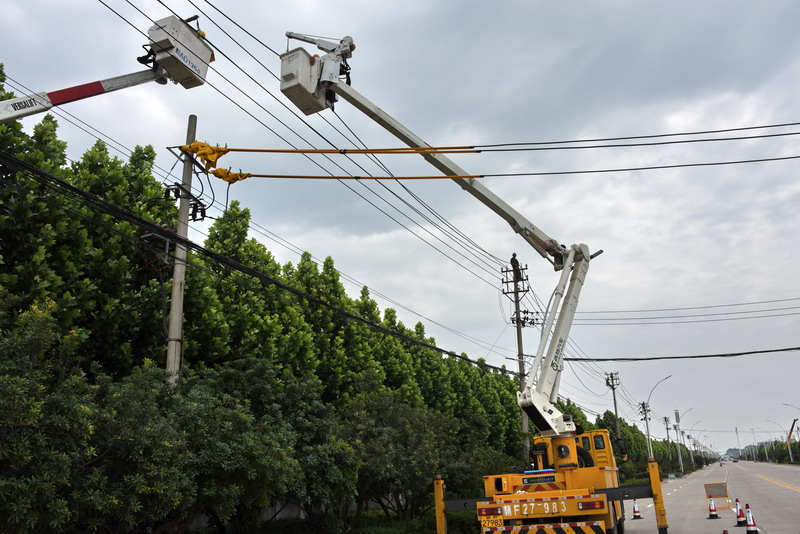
(612, 381)
(646, 413)
(678, 445)
(175, 333)
(678, 436)
(739, 443)
(669, 445)
(646, 410)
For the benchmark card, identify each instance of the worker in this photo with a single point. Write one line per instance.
(515, 267)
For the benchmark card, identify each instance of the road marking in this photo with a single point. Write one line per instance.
(787, 486)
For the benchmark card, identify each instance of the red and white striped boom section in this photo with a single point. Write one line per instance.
(38, 102)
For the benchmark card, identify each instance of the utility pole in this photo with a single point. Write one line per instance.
(516, 278)
(612, 381)
(738, 443)
(678, 439)
(678, 445)
(669, 444)
(645, 409)
(175, 332)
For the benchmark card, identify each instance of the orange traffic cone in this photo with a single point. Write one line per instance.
(712, 510)
(741, 521)
(636, 514)
(751, 522)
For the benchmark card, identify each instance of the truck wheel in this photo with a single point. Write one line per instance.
(584, 458)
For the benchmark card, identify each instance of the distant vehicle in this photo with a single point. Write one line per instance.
(735, 460)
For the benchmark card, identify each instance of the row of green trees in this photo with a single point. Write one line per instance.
(775, 451)
(280, 400)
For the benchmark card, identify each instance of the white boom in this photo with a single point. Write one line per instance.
(177, 52)
(312, 83)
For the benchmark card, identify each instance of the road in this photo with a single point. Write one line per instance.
(771, 490)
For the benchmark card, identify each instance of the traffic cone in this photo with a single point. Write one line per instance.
(712, 510)
(636, 514)
(751, 522)
(741, 521)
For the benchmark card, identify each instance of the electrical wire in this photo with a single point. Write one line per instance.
(644, 322)
(693, 357)
(97, 204)
(476, 149)
(705, 307)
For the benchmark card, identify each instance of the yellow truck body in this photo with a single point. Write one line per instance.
(564, 493)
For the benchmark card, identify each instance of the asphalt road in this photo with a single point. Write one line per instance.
(771, 490)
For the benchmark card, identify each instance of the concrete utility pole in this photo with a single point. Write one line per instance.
(669, 445)
(520, 320)
(612, 381)
(175, 333)
(526, 435)
(678, 438)
(646, 414)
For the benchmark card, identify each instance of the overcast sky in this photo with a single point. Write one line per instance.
(704, 250)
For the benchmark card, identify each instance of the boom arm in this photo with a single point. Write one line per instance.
(541, 390)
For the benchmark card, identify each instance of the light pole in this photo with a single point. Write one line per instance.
(769, 438)
(691, 453)
(646, 410)
(678, 439)
(788, 443)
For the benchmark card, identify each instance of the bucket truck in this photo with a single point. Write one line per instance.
(574, 486)
(176, 52)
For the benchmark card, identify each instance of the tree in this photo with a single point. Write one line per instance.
(397, 447)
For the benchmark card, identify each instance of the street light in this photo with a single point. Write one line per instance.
(771, 441)
(646, 409)
(788, 443)
(679, 441)
(691, 453)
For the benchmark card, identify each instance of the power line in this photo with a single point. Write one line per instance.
(645, 322)
(95, 203)
(540, 173)
(694, 357)
(650, 136)
(754, 303)
(477, 149)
